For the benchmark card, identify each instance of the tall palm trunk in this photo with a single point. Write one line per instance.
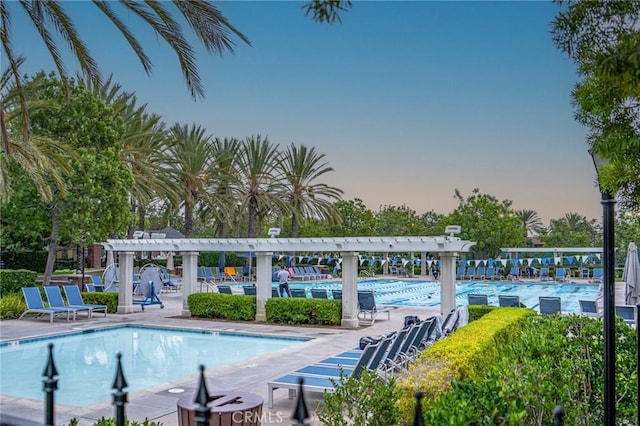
(188, 219)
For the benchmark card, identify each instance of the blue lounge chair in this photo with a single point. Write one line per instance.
(471, 272)
(588, 308)
(368, 307)
(515, 272)
(97, 283)
(33, 299)
(480, 273)
(549, 305)
(275, 292)
(74, 297)
(316, 382)
(224, 289)
(505, 301)
(460, 272)
(54, 298)
(319, 293)
(597, 275)
(627, 312)
(477, 299)
(298, 292)
(337, 294)
(249, 290)
(561, 274)
(544, 274)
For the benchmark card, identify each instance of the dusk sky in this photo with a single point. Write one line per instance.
(408, 100)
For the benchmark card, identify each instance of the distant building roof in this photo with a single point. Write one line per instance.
(170, 232)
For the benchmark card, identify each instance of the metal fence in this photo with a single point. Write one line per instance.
(202, 411)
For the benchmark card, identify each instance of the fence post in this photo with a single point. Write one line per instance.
(417, 417)
(558, 416)
(202, 411)
(50, 385)
(300, 413)
(119, 396)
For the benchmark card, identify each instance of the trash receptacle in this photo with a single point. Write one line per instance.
(231, 408)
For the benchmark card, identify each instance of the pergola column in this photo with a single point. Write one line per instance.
(447, 281)
(125, 288)
(423, 263)
(189, 279)
(350, 306)
(263, 283)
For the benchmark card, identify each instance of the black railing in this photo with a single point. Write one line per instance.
(202, 399)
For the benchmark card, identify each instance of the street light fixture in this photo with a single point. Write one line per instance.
(608, 263)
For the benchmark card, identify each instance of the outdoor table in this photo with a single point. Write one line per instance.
(228, 408)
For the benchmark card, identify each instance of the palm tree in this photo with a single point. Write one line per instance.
(302, 167)
(530, 221)
(260, 183)
(191, 156)
(52, 22)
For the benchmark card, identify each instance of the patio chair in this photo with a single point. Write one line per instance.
(319, 293)
(337, 294)
(627, 312)
(368, 308)
(549, 305)
(561, 274)
(33, 300)
(544, 274)
(477, 299)
(224, 289)
(55, 300)
(588, 308)
(471, 272)
(298, 292)
(597, 275)
(460, 273)
(480, 273)
(98, 284)
(249, 290)
(505, 301)
(74, 297)
(275, 292)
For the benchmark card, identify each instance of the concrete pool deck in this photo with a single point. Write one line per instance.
(159, 404)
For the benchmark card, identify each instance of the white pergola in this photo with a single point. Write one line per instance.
(447, 248)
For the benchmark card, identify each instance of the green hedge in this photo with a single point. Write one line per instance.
(12, 281)
(468, 352)
(12, 306)
(478, 311)
(285, 310)
(102, 298)
(281, 310)
(223, 306)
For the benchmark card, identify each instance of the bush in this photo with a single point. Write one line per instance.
(285, 310)
(12, 306)
(478, 311)
(366, 400)
(12, 281)
(102, 298)
(112, 422)
(223, 306)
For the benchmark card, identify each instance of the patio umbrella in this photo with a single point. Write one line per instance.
(170, 266)
(631, 275)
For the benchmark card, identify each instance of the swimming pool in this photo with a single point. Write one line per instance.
(86, 361)
(427, 293)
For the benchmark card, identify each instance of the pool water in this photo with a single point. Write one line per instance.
(427, 293)
(86, 361)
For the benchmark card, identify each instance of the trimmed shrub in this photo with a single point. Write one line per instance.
(231, 307)
(12, 306)
(478, 311)
(285, 310)
(468, 352)
(102, 298)
(12, 281)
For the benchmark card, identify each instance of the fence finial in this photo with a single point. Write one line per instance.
(203, 412)
(417, 417)
(50, 385)
(119, 395)
(558, 416)
(300, 413)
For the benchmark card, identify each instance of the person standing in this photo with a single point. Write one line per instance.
(283, 279)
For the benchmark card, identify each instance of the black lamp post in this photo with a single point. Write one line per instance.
(608, 262)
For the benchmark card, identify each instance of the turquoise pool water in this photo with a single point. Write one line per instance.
(86, 361)
(427, 293)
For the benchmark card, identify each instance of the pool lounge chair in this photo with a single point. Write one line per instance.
(505, 301)
(298, 292)
(33, 299)
(249, 290)
(224, 289)
(544, 274)
(460, 272)
(480, 273)
(55, 300)
(588, 308)
(627, 312)
(477, 299)
(471, 272)
(317, 382)
(337, 294)
(597, 275)
(369, 311)
(561, 275)
(549, 305)
(74, 297)
(275, 292)
(319, 293)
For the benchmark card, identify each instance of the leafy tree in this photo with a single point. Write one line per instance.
(357, 219)
(392, 221)
(95, 205)
(604, 39)
(571, 230)
(490, 223)
(307, 198)
(433, 223)
(627, 229)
